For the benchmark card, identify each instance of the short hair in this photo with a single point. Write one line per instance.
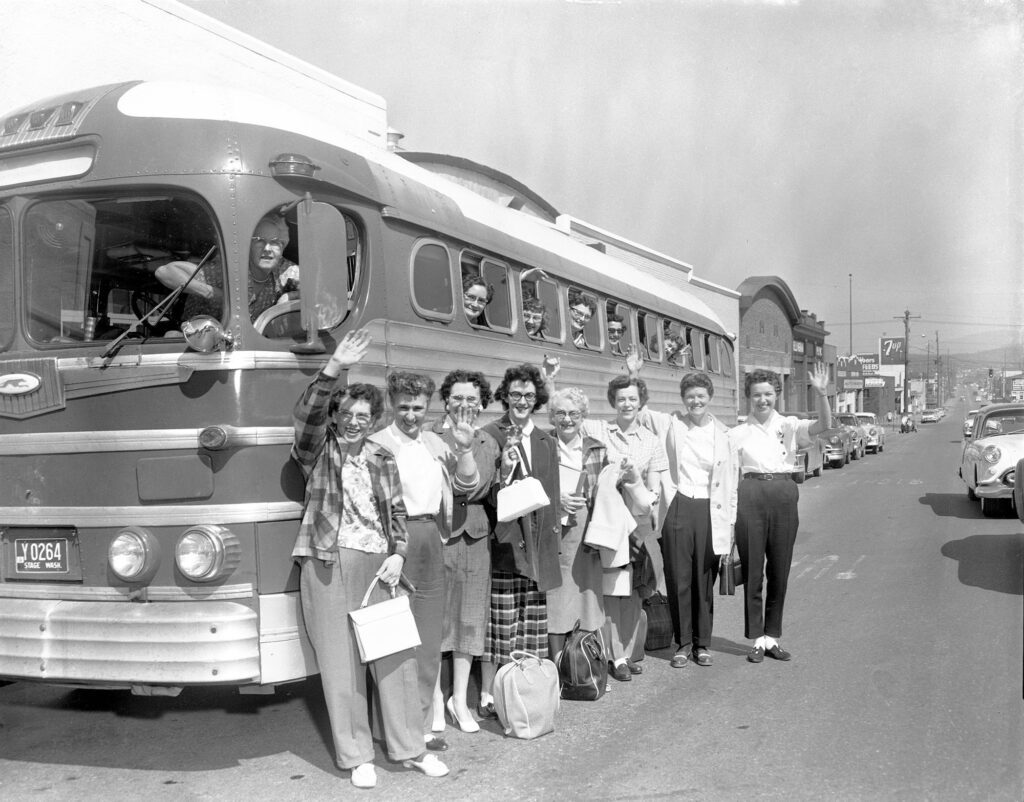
(760, 376)
(403, 383)
(278, 222)
(621, 383)
(615, 318)
(522, 373)
(531, 303)
(697, 379)
(576, 297)
(359, 392)
(573, 395)
(476, 280)
(474, 377)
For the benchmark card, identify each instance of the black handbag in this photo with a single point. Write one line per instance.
(659, 623)
(582, 666)
(730, 573)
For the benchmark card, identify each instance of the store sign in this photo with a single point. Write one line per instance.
(874, 381)
(798, 346)
(892, 350)
(868, 364)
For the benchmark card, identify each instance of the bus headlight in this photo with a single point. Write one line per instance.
(206, 553)
(134, 554)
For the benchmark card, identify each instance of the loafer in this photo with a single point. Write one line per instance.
(437, 744)
(634, 668)
(776, 652)
(701, 656)
(428, 764)
(486, 711)
(756, 655)
(679, 659)
(620, 672)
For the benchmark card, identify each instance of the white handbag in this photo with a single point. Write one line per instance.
(521, 497)
(385, 627)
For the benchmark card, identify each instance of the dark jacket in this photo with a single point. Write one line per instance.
(529, 545)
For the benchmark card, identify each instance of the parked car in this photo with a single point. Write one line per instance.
(1018, 490)
(875, 441)
(838, 445)
(814, 456)
(930, 416)
(988, 464)
(857, 434)
(969, 423)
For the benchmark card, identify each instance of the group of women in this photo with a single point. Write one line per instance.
(417, 504)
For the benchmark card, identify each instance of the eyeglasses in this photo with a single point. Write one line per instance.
(344, 417)
(530, 397)
(464, 399)
(533, 317)
(273, 243)
(563, 415)
(579, 314)
(474, 299)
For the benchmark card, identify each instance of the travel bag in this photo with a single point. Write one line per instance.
(525, 694)
(659, 623)
(583, 666)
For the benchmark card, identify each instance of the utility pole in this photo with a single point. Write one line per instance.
(938, 373)
(906, 318)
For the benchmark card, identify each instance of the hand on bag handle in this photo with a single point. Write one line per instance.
(402, 580)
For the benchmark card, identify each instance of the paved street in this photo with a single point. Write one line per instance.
(904, 618)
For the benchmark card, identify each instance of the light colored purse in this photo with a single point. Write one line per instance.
(385, 627)
(520, 497)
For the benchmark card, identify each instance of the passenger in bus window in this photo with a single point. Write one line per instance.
(616, 328)
(476, 294)
(581, 310)
(535, 316)
(676, 351)
(353, 535)
(272, 278)
(432, 472)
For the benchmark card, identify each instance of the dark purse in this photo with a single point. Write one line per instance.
(730, 573)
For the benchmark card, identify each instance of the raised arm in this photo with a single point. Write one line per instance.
(819, 378)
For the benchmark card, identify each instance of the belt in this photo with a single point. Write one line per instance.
(420, 517)
(768, 476)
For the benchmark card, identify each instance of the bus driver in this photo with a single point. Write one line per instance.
(272, 278)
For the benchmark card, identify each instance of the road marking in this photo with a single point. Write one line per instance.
(850, 574)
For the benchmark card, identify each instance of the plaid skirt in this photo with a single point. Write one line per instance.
(518, 618)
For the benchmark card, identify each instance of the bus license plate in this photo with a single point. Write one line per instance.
(50, 555)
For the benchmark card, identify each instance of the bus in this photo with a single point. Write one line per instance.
(148, 504)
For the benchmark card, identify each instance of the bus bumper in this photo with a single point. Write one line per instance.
(155, 643)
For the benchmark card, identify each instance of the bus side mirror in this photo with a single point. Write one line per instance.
(205, 334)
(323, 271)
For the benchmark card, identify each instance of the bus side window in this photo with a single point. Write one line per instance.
(486, 297)
(6, 279)
(695, 353)
(650, 347)
(431, 281)
(583, 327)
(542, 319)
(712, 359)
(617, 320)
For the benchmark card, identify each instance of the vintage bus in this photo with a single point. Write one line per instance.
(148, 505)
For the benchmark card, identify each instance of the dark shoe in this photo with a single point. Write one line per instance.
(756, 655)
(634, 668)
(437, 744)
(701, 656)
(778, 653)
(619, 672)
(486, 711)
(679, 659)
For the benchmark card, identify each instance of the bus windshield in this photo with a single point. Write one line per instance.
(90, 263)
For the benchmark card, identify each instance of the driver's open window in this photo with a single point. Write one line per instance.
(96, 266)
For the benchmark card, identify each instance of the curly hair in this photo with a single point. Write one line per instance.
(474, 377)
(403, 383)
(621, 383)
(575, 396)
(698, 379)
(522, 373)
(476, 280)
(359, 392)
(578, 298)
(760, 376)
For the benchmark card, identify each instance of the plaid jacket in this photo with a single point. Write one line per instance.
(318, 455)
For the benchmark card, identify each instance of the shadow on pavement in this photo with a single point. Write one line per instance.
(991, 562)
(952, 505)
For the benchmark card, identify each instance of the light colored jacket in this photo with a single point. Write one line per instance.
(724, 475)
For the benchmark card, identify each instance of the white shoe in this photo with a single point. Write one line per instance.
(364, 776)
(428, 764)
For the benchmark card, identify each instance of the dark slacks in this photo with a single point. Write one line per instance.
(424, 568)
(690, 569)
(766, 524)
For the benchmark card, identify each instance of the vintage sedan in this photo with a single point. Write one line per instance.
(813, 457)
(988, 464)
(858, 438)
(874, 432)
(930, 416)
(969, 423)
(838, 444)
